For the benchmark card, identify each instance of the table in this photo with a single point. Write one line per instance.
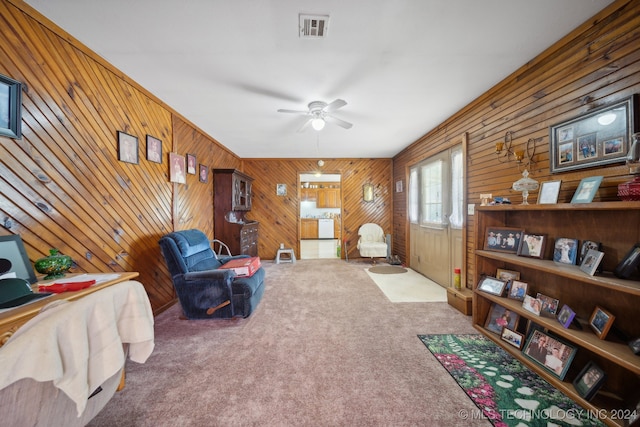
(11, 319)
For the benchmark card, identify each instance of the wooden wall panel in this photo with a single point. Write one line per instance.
(279, 216)
(596, 64)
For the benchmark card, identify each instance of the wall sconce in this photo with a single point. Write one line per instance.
(506, 153)
(367, 192)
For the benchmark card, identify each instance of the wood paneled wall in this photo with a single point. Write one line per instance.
(596, 64)
(279, 216)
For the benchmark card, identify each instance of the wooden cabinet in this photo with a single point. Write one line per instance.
(309, 228)
(232, 199)
(309, 194)
(615, 224)
(328, 198)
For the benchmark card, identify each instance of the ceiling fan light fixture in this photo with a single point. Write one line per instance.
(318, 123)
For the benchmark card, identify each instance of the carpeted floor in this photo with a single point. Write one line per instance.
(507, 392)
(325, 347)
(410, 286)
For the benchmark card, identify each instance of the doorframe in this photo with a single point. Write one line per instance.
(462, 140)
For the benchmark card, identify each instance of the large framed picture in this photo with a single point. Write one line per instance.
(598, 137)
(589, 380)
(503, 239)
(533, 245)
(14, 261)
(499, 317)
(601, 321)
(491, 285)
(587, 189)
(10, 108)
(552, 353)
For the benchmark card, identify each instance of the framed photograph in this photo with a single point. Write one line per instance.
(531, 304)
(127, 148)
(191, 164)
(629, 264)
(281, 189)
(514, 338)
(491, 285)
(533, 245)
(584, 248)
(518, 290)
(507, 275)
(552, 353)
(503, 239)
(601, 321)
(565, 250)
(591, 261)
(596, 138)
(367, 192)
(14, 262)
(204, 173)
(587, 189)
(499, 317)
(548, 194)
(399, 186)
(549, 306)
(154, 149)
(177, 169)
(589, 380)
(10, 108)
(566, 316)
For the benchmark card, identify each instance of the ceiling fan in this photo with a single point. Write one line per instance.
(319, 113)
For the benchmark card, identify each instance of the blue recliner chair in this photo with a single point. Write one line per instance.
(204, 291)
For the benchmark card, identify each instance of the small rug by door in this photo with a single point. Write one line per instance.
(387, 269)
(505, 391)
(408, 287)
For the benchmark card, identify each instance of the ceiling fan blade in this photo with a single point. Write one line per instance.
(338, 103)
(305, 125)
(338, 122)
(292, 111)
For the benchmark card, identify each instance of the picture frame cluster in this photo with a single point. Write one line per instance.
(179, 166)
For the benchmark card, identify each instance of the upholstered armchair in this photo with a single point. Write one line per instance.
(371, 241)
(204, 290)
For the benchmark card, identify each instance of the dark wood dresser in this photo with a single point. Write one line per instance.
(232, 200)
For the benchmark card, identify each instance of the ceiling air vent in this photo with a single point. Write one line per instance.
(314, 26)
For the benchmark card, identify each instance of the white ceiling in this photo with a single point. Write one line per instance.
(403, 66)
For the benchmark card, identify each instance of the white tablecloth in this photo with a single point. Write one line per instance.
(78, 345)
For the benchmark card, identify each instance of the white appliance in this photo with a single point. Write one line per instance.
(325, 228)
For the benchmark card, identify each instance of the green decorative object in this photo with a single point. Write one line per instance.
(54, 265)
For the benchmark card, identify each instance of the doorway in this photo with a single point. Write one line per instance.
(320, 219)
(436, 199)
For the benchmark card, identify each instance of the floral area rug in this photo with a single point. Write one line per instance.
(506, 392)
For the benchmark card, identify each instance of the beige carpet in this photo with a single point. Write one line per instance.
(410, 286)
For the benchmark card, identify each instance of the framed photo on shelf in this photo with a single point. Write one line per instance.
(566, 316)
(507, 275)
(587, 189)
(629, 264)
(591, 261)
(589, 380)
(127, 148)
(598, 137)
(549, 305)
(518, 290)
(503, 239)
(533, 245)
(499, 317)
(548, 194)
(565, 250)
(14, 261)
(514, 338)
(585, 246)
(491, 285)
(601, 321)
(154, 149)
(532, 305)
(550, 352)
